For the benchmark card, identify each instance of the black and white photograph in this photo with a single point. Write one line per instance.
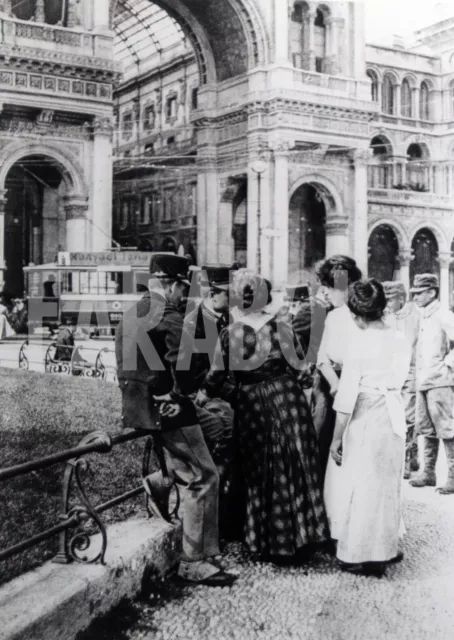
(226, 320)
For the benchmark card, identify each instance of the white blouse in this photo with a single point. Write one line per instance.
(339, 337)
(378, 365)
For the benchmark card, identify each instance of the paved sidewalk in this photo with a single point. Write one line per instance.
(317, 602)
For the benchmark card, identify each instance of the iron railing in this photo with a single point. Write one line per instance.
(74, 539)
(76, 365)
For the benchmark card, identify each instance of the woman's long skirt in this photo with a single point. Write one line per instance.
(279, 459)
(364, 495)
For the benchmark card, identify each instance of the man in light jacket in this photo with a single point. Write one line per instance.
(434, 380)
(405, 317)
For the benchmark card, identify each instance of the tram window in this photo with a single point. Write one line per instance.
(69, 282)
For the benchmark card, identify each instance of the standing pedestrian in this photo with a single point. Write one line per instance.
(335, 275)
(369, 437)
(404, 316)
(148, 341)
(285, 515)
(434, 381)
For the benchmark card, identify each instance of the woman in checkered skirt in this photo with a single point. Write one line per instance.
(277, 443)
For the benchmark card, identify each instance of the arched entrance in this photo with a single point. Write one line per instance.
(307, 233)
(383, 253)
(35, 217)
(425, 251)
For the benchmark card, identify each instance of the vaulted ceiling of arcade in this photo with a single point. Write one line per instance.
(225, 35)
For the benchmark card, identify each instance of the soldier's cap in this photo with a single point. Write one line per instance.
(424, 281)
(394, 289)
(219, 275)
(297, 293)
(167, 265)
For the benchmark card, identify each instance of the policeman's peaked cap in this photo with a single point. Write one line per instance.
(168, 265)
(219, 275)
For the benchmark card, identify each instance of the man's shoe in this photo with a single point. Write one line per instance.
(158, 488)
(448, 487)
(206, 573)
(424, 479)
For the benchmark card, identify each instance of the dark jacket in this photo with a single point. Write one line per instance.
(308, 325)
(204, 325)
(65, 345)
(147, 344)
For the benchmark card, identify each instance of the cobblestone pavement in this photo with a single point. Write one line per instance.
(313, 602)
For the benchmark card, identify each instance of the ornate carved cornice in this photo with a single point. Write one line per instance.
(104, 126)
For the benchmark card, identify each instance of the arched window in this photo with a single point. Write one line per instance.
(374, 85)
(379, 173)
(417, 169)
(388, 95)
(320, 41)
(406, 99)
(50, 12)
(424, 112)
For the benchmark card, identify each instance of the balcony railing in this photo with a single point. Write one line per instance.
(22, 33)
(398, 196)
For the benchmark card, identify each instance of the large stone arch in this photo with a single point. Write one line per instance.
(71, 170)
(401, 234)
(440, 236)
(228, 37)
(327, 189)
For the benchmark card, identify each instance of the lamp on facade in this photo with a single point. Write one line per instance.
(259, 167)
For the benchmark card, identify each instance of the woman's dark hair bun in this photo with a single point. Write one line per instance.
(338, 272)
(367, 300)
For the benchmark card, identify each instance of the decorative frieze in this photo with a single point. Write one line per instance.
(48, 84)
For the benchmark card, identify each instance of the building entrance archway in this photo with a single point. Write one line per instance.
(307, 227)
(425, 251)
(35, 207)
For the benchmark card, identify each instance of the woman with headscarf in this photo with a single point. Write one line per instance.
(285, 515)
(369, 437)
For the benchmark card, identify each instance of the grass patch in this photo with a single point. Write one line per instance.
(42, 414)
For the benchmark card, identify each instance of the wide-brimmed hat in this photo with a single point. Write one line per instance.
(424, 281)
(218, 276)
(394, 289)
(167, 265)
(297, 293)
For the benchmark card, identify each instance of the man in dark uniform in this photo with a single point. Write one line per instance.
(148, 341)
(65, 341)
(205, 323)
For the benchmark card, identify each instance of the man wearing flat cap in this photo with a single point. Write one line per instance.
(148, 341)
(434, 380)
(404, 316)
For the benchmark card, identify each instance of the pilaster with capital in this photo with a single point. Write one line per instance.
(101, 186)
(405, 258)
(309, 40)
(104, 126)
(5, 7)
(445, 260)
(39, 11)
(280, 242)
(361, 158)
(76, 224)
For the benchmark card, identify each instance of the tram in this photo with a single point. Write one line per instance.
(92, 288)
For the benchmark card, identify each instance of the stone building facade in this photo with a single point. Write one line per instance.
(56, 121)
(265, 131)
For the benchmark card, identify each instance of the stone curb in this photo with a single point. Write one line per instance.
(56, 602)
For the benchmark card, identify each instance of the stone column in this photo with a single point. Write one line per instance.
(405, 258)
(76, 225)
(39, 11)
(360, 226)
(415, 103)
(309, 40)
(3, 200)
(71, 16)
(397, 100)
(333, 45)
(337, 236)
(101, 185)
(445, 260)
(101, 15)
(280, 241)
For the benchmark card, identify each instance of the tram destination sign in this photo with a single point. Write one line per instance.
(104, 258)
